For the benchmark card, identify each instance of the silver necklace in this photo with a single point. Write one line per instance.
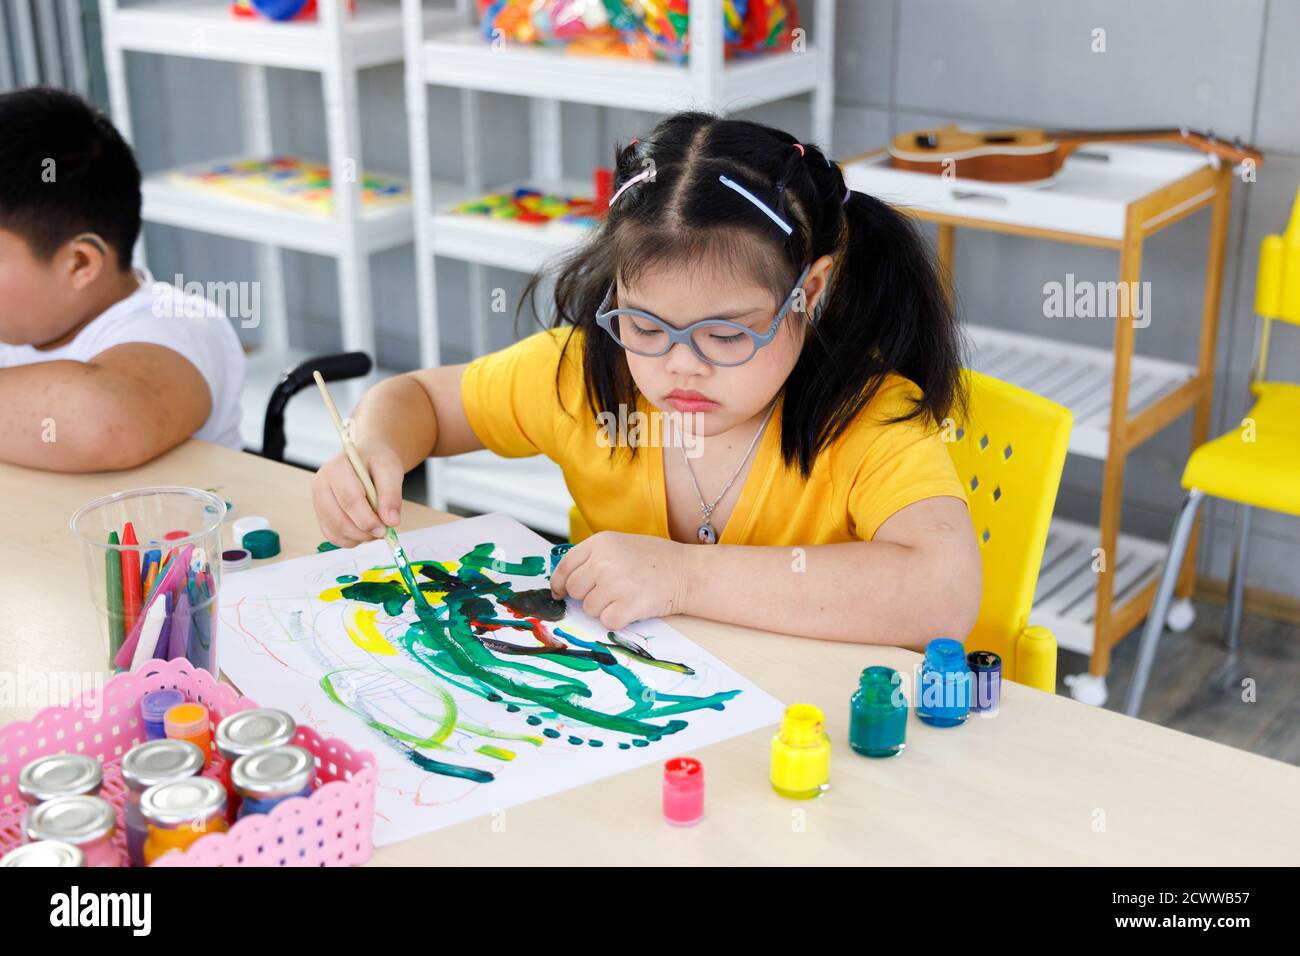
(705, 533)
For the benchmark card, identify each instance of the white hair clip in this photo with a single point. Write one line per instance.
(646, 173)
(732, 184)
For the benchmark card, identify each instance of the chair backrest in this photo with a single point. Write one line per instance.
(1277, 286)
(1009, 454)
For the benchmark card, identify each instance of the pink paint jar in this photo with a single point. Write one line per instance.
(683, 791)
(86, 822)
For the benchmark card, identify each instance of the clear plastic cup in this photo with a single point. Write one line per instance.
(179, 615)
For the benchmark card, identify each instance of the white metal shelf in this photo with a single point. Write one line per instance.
(462, 58)
(174, 204)
(503, 243)
(1076, 376)
(1065, 599)
(203, 29)
(530, 489)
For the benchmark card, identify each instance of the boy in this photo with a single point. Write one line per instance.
(101, 368)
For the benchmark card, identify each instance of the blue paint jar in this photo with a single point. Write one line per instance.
(943, 684)
(153, 707)
(267, 777)
(986, 682)
(878, 713)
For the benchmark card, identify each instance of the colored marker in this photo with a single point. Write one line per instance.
(130, 578)
(116, 623)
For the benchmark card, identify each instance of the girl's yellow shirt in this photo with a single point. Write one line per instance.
(870, 472)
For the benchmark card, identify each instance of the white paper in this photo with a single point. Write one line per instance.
(279, 640)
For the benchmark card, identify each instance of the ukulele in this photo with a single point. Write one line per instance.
(1031, 155)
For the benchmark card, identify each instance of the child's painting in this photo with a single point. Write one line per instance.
(485, 693)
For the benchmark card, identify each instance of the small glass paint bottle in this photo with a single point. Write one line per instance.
(43, 853)
(153, 710)
(801, 753)
(246, 732)
(878, 714)
(180, 812)
(190, 721)
(683, 791)
(268, 777)
(943, 684)
(59, 775)
(986, 682)
(145, 766)
(84, 821)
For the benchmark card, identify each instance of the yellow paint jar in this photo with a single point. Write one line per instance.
(801, 753)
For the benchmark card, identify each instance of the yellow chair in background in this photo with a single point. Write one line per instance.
(1257, 465)
(1009, 453)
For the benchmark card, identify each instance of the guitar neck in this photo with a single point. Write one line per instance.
(1234, 152)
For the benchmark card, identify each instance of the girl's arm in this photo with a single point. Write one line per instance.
(917, 579)
(397, 424)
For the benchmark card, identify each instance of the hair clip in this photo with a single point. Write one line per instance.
(798, 146)
(731, 184)
(644, 174)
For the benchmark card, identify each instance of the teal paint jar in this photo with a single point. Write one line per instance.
(878, 714)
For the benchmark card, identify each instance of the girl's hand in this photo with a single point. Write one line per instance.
(344, 514)
(621, 578)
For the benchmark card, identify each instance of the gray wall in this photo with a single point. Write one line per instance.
(1207, 64)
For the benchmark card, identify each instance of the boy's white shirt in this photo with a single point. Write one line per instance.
(161, 314)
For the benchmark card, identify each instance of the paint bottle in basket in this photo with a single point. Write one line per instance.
(59, 775)
(246, 732)
(180, 812)
(268, 777)
(84, 821)
(145, 766)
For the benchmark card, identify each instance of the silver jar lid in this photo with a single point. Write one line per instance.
(180, 802)
(59, 775)
(44, 853)
(252, 730)
(76, 820)
(277, 772)
(160, 761)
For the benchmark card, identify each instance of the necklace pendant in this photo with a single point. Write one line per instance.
(705, 534)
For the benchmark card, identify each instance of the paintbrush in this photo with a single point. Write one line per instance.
(349, 449)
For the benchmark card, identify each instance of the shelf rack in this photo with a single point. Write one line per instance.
(1111, 197)
(459, 57)
(336, 45)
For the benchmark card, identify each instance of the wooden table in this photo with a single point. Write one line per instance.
(1047, 781)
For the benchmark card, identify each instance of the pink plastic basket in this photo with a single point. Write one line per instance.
(332, 827)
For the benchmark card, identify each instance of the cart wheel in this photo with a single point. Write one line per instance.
(1087, 689)
(1181, 616)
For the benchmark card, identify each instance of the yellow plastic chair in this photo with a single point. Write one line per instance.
(1009, 454)
(1256, 465)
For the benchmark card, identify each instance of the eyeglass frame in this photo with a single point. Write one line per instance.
(686, 335)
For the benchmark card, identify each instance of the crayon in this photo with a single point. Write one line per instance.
(161, 646)
(178, 640)
(130, 578)
(150, 579)
(113, 567)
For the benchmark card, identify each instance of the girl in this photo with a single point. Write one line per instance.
(782, 353)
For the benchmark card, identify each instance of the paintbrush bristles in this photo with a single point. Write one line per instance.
(349, 449)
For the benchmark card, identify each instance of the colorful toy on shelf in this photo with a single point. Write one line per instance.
(287, 182)
(279, 10)
(639, 29)
(534, 207)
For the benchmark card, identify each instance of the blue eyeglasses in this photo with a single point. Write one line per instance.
(716, 341)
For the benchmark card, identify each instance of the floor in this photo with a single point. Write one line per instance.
(1196, 688)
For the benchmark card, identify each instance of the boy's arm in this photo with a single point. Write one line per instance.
(917, 579)
(125, 406)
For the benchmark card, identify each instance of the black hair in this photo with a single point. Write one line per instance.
(65, 170)
(885, 309)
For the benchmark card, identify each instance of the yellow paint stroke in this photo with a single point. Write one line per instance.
(361, 628)
(500, 753)
(335, 593)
